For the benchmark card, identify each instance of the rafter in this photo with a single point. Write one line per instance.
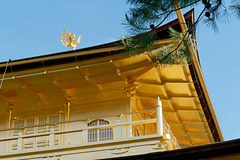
(139, 73)
(145, 82)
(152, 96)
(118, 71)
(26, 86)
(57, 84)
(89, 79)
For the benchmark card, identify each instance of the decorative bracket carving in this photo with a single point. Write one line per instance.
(130, 89)
(119, 150)
(52, 157)
(160, 145)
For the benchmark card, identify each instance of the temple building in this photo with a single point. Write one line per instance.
(97, 103)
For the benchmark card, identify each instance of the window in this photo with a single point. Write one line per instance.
(29, 130)
(99, 134)
(30, 122)
(42, 120)
(19, 123)
(53, 118)
(41, 141)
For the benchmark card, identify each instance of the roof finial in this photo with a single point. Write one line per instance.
(69, 40)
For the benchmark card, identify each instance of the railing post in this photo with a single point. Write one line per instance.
(51, 137)
(20, 141)
(159, 118)
(118, 129)
(85, 133)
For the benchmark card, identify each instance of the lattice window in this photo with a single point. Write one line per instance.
(38, 142)
(99, 134)
(30, 122)
(54, 119)
(29, 142)
(30, 130)
(42, 120)
(18, 123)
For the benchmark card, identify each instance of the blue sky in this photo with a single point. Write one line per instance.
(32, 28)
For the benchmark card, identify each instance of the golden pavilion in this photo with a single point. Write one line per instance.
(96, 103)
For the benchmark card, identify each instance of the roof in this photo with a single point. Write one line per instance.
(51, 80)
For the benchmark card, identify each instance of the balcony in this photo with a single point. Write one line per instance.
(84, 139)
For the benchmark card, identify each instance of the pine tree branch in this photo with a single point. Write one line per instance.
(148, 33)
(184, 36)
(148, 12)
(185, 6)
(236, 9)
(140, 17)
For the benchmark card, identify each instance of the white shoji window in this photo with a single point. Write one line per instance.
(99, 134)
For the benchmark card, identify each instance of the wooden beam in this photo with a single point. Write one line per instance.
(144, 82)
(26, 86)
(140, 73)
(151, 96)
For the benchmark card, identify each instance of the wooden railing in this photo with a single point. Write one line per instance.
(172, 139)
(53, 137)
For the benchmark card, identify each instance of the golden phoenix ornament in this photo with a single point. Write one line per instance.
(68, 40)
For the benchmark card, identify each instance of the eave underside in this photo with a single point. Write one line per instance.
(101, 75)
(111, 78)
